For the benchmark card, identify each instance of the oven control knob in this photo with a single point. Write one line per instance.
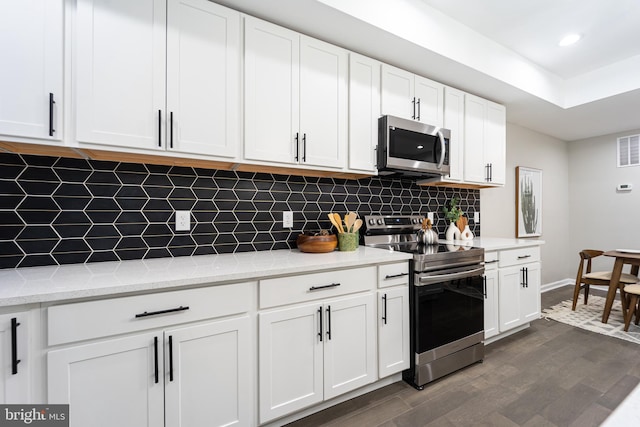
(415, 220)
(380, 221)
(372, 221)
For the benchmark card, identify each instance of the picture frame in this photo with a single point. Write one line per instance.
(528, 202)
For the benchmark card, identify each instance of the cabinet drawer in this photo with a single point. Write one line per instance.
(95, 319)
(294, 289)
(491, 260)
(519, 256)
(393, 274)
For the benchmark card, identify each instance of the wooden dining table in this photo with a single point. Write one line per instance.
(622, 258)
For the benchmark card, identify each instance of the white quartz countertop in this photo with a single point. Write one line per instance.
(56, 283)
(496, 243)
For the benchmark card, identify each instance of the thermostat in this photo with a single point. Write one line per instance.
(625, 187)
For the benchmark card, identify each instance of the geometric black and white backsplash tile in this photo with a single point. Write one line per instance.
(56, 210)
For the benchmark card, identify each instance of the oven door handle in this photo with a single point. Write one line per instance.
(425, 280)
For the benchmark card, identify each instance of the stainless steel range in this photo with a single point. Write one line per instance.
(446, 298)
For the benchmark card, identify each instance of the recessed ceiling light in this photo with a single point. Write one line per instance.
(569, 39)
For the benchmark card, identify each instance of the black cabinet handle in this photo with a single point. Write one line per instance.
(414, 108)
(170, 358)
(317, 288)
(524, 256)
(484, 285)
(159, 128)
(155, 359)
(393, 276)
(487, 173)
(297, 146)
(490, 172)
(526, 277)
(304, 147)
(418, 118)
(329, 322)
(14, 346)
(320, 317)
(51, 104)
(171, 129)
(384, 308)
(493, 261)
(155, 313)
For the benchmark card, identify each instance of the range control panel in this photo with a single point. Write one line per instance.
(393, 223)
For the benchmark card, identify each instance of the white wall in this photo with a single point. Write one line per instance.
(602, 218)
(497, 208)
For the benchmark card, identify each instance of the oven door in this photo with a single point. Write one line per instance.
(448, 307)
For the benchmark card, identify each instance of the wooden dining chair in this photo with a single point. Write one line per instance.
(632, 293)
(585, 277)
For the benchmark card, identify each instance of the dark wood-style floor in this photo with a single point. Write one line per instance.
(551, 374)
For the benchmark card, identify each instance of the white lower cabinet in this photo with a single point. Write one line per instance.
(314, 352)
(158, 370)
(15, 372)
(393, 330)
(491, 327)
(519, 295)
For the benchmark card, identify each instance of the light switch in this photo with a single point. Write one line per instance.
(287, 219)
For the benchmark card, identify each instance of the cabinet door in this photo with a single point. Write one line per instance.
(393, 330)
(474, 134)
(113, 381)
(454, 121)
(495, 141)
(290, 360)
(398, 92)
(208, 374)
(364, 111)
(350, 344)
(203, 78)
(119, 72)
(491, 327)
(510, 285)
(429, 101)
(323, 103)
(272, 83)
(530, 294)
(15, 371)
(31, 52)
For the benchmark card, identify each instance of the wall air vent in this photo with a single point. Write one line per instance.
(629, 151)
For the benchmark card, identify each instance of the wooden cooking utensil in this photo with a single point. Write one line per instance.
(356, 225)
(338, 220)
(333, 221)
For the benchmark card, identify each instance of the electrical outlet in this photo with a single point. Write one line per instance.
(430, 216)
(287, 219)
(183, 220)
(476, 217)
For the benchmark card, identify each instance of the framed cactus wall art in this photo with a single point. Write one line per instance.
(528, 202)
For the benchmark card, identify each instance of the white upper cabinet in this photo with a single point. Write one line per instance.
(119, 69)
(485, 141)
(364, 112)
(454, 121)
(158, 75)
(407, 95)
(31, 48)
(295, 97)
(203, 78)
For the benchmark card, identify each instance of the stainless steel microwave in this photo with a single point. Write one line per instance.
(411, 148)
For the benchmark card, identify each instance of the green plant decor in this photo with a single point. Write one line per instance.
(528, 206)
(454, 212)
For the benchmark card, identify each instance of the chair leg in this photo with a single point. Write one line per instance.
(633, 301)
(586, 293)
(576, 294)
(637, 310)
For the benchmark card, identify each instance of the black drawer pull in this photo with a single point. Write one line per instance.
(155, 313)
(524, 256)
(52, 102)
(493, 261)
(393, 276)
(14, 346)
(317, 288)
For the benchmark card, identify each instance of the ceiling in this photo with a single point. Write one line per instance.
(503, 50)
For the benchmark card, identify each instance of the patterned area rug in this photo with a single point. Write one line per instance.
(588, 317)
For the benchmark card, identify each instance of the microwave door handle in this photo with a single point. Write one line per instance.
(442, 150)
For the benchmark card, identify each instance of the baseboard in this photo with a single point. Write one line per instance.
(555, 285)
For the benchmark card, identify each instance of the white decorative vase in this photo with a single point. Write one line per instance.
(466, 234)
(453, 233)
